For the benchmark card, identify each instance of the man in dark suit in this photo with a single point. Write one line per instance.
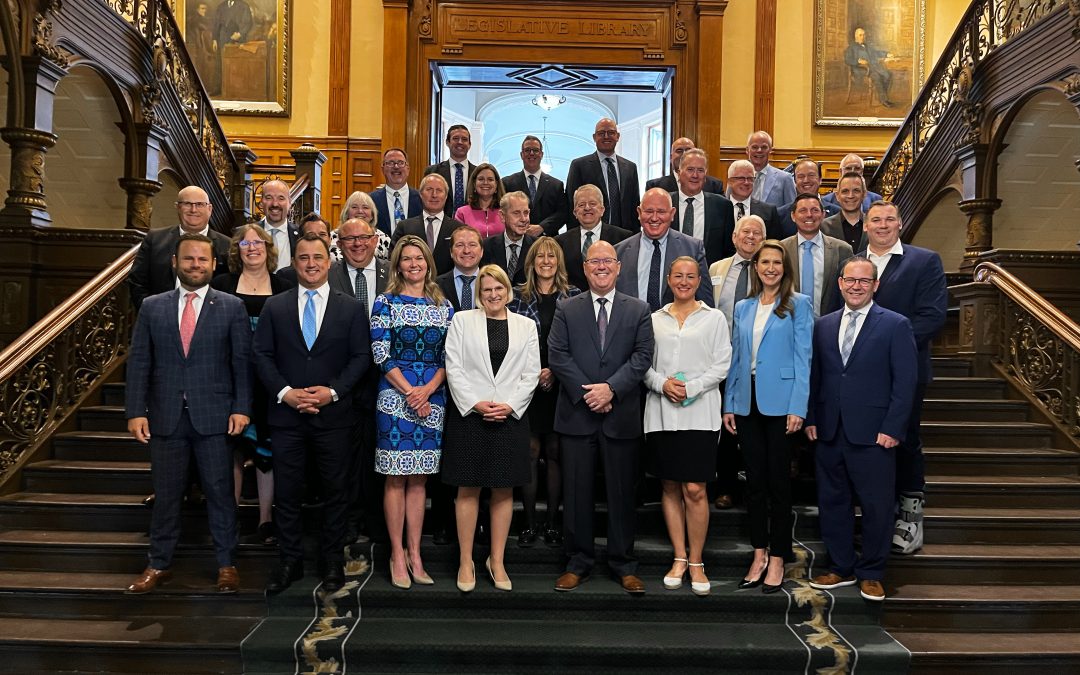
(647, 255)
(188, 385)
(153, 271)
(395, 200)
(740, 194)
(815, 257)
(615, 176)
(311, 347)
(432, 225)
(913, 285)
(670, 181)
(547, 196)
(600, 347)
(588, 211)
(852, 163)
(807, 182)
(508, 250)
(847, 224)
(232, 23)
(276, 206)
(703, 215)
(459, 284)
(315, 224)
(864, 61)
(456, 170)
(862, 389)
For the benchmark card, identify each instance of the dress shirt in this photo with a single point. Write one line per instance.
(860, 319)
(322, 296)
(701, 350)
(604, 170)
(735, 207)
(699, 214)
(284, 255)
(403, 193)
(819, 268)
(464, 176)
(458, 273)
(534, 175)
(882, 261)
(506, 249)
(176, 282)
(369, 276)
(760, 320)
(726, 302)
(644, 265)
(436, 226)
(197, 303)
(596, 305)
(595, 236)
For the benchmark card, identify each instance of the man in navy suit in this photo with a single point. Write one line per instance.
(311, 347)
(431, 224)
(600, 347)
(513, 244)
(188, 385)
(547, 196)
(807, 182)
(395, 200)
(912, 284)
(670, 181)
(647, 255)
(456, 170)
(615, 176)
(589, 212)
(862, 390)
(701, 214)
(276, 206)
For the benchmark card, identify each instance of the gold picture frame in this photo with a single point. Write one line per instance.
(240, 49)
(869, 61)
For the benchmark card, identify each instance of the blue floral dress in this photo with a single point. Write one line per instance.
(409, 334)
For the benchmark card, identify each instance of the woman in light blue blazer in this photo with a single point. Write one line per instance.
(765, 401)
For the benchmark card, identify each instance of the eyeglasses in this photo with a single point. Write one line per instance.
(192, 205)
(395, 164)
(253, 243)
(601, 261)
(531, 151)
(852, 281)
(606, 133)
(362, 238)
(741, 179)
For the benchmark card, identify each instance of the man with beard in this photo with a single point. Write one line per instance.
(275, 207)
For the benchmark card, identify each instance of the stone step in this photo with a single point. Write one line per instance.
(966, 387)
(115, 477)
(984, 525)
(102, 418)
(988, 564)
(987, 434)
(974, 410)
(986, 607)
(990, 653)
(1004, 491)
(969, 461)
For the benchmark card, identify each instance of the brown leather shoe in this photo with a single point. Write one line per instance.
(569, 581)
(871, 590)
(148, 580)
(723, 502)
(228, 580)
(830, 581)
(632, 585)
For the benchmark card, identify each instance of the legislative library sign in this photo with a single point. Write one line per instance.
(465, 26)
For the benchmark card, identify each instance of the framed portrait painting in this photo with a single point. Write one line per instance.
(869, 60)
(241, 50)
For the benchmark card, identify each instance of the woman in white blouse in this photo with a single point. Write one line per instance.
(683, 416)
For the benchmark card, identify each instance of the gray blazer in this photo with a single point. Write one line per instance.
(836, 252)
(678, 244)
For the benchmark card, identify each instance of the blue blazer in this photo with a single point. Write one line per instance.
(783, 360)
(215, 376)
(678, 244)
(875, 392)
(778, 188)
(383, 216)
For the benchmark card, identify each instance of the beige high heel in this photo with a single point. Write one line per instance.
(501, 585)
(467, 586)
(422, 579)
(701, 588)
(673, 583)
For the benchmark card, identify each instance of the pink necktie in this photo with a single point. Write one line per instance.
(187, 322)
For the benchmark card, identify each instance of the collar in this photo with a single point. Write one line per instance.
(201, 292)
(437, 216)
(204, 232)
(369, 266)
(818, 239)
(276, 226)
(507, 240)
(863, 311)
(602, 157)
(539, 172)
(323, 291)
(610, 296)
(458, 272)
(666, 309)
(662, 240)
(403, 190)
(595, 231)
(463, 162)
(897, 249)
(683, 196)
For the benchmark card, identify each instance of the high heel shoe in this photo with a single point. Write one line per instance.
(770, 588)
(422, 579)
(701, 588)
(500, 585)
(399, 582)
(467, 586)
(672, 583)
(754, 583)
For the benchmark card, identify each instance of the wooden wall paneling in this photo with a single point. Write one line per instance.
(827, 158)
(340, 53)
(708, 44)
(398, 43)
(765, 66)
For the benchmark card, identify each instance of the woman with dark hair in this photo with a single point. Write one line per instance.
(483, 191)
(765, 400)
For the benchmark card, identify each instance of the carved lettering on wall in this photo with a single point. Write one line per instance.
(639, 30)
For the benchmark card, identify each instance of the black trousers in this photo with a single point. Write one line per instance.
(910, 464)
(365, 486)
(766, 449)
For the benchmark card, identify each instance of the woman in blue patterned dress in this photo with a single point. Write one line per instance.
(408, 335)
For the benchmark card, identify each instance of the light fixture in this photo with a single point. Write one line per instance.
(548, 102)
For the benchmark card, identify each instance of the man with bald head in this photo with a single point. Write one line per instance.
(276, 207)
(771, 185)
(616, 177)
(670, 182)
(851, 163)
(152, 272)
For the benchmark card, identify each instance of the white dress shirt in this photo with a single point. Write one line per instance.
(760, 321)
(596, 305)
(322, 295)
(403, 195)
(197, 303)
(436, 226)
(595, 236)
(280, 235)
(860, 319)
(604, 172)
(882, 261)
(699, 215)
(369, 276)
(453, 177)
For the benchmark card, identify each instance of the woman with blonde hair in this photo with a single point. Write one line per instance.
(361, 205)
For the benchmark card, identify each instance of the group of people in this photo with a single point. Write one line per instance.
(455, 334)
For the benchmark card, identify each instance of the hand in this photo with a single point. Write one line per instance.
(597, 395)
(675, 390)
(887, 441)
(301, 401)
(320, 394)
(862, 62)
(139, 427)
(729, 422)
(811, 432)
(416, 397)
(235, 37)
(423, 411)
(237, 424)
(547, 379)
(794, 423)
(534, 230)
(499, 412)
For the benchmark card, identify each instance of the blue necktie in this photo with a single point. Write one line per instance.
(399, 212)
(532, 188)
(459, 187)
(807, 272)
(307, 327)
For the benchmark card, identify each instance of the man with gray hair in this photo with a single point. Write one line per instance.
(740, 193)
(771, 185)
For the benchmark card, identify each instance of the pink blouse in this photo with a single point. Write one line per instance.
(486, 220)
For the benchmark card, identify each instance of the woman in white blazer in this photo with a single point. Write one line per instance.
(492, 368)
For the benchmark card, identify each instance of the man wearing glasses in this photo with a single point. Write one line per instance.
(616, 177)
(547, 196)
(395, 200)
(740, 177)
(152, 271)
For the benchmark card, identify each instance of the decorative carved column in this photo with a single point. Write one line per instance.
(765, 66)
(980, 230)
(140, 207)
(309, 160)
(142, 184)
(710, 56)
(240, 184)
(978, 203)
(980, 316)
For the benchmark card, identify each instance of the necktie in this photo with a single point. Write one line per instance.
(532, 188)
(614, 198)
(278, 235)
(466, 292)
(360, 289)
(688, 218)
(187, 322)
(807, 272)
(849, 336)
(511, 265)
(653, 296)
(759, 185)
(459, 187)
(585, 247)
(399, 212)
(742, 211)
(431, 232)
(743, 280)
(307, 326)
(601, 321)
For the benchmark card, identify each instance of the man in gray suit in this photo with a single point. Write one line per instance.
(816, 258)
(600, 347)
(701, 214)
(771, 185)
(646, 256)
(188, 385)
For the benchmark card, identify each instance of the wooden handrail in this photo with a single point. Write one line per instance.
(1053, 318)
(299, 185)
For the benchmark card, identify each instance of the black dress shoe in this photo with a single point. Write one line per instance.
(769, 588)
(754, 583)
(527, 538)
(553, 538)
(441, 537)
(281, 578)
(334, 578)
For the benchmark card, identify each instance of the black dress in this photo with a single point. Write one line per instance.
(486, 454)
(542, 407)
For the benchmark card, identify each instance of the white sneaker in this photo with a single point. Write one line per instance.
(908, 535)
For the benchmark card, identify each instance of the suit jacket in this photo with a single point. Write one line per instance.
(214, 377)
(778, 187)
(914, 285)
(875, 392)
(576, 357)
(570, 242)
(338, 359)
(713, 185)
(869, 199)
(449, 289)
(385, 215)
(468, 363)
(834, 227)
(495, 254)
(836, 252)
(152, 272)
(787, 225)
(719, 225)
(548, 208)
(294, 235)
(767, 212)
(678, 244)
(782, 379)
(338, 277)
(367, 389)
(443, 169)
(418, 226)
(587, 170)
